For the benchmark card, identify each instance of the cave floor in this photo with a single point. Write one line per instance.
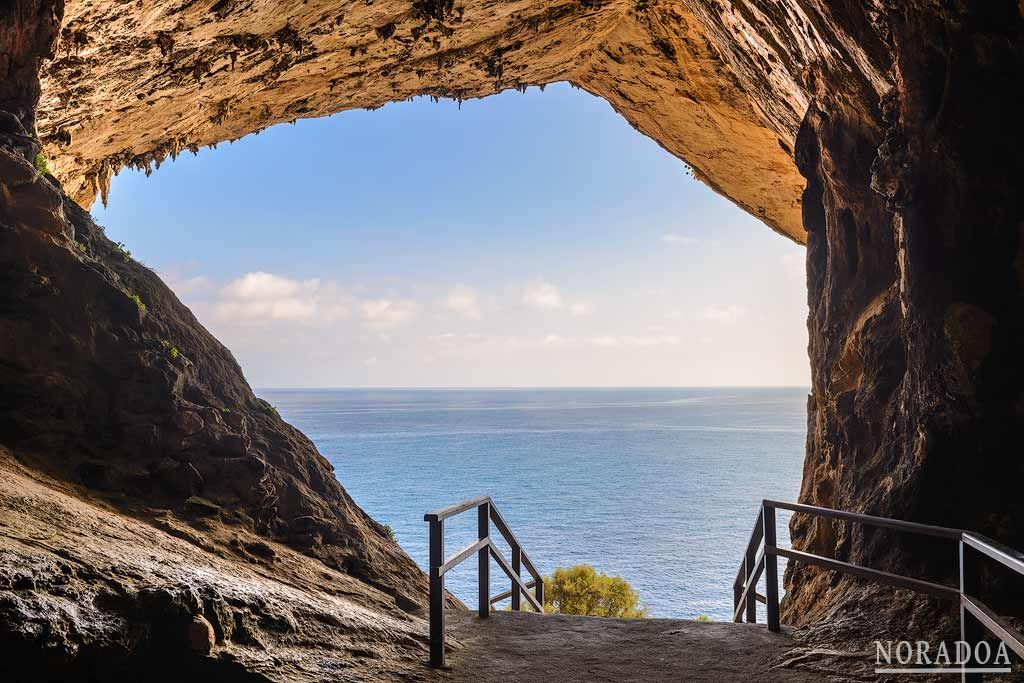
(528, 647)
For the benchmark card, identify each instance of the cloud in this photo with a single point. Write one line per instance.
(541, 294)
(678, 240)
(190, 285)
(264, 286)
(370, 362)
(262, 297)
(178, 279)
(581, 308)
(387, 314)
(724, 314)
(463, 301)
(635, 341)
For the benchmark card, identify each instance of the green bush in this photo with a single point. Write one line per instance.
(126, 255)
(703, 618)
(583, 590)
(41, 165)
(389, 532)
(135, 298)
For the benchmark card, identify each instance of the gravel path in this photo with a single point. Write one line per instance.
(525, 647)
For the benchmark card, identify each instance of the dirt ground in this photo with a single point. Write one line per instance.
(565, 649)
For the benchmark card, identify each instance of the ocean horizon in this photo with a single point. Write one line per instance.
(658, 485)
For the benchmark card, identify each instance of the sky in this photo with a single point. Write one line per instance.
(523, 240)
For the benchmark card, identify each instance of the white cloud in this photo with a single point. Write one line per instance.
(263, 286)
(263, 296)
(724, 314)
(678, 240)
(187, 286)
(370, 362)
(636, 341)
(539, 293)
(581, 308)
(464, 301)
(387, 314)
(178, 277)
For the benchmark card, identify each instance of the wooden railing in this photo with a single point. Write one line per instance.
(762, 553)
(484, 549)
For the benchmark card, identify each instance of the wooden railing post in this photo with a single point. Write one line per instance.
(436, 593)
(539, 592)
(971, 632)
(517, 561)
(483, 527)
(771, 570)
(749, 562)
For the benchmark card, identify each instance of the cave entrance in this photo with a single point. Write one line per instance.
(498, 266)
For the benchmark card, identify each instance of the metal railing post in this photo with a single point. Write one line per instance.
(436, 593)
(483, 522)
(771, 570)
(517, 560)
(749, 562)
(970, 630)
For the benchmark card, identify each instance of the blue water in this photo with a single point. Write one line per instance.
(659, 486)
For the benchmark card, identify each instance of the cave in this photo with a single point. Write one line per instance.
(884, 135)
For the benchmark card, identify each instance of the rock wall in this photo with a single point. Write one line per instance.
(915, 274)
(152, 507)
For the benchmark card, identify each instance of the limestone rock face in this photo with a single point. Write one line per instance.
(131, 86)
(916, 286)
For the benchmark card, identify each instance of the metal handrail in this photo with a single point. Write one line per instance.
(975, 616)
(484, 549)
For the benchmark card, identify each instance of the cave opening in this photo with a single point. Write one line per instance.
(877, 133)
(355, 262)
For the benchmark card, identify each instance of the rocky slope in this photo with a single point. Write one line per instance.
(105, 367)
(139, 471)
(90, 593)
(884, 134)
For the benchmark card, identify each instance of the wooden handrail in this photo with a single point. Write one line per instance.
(741, 602)
(877, 575)
(870, 520)
(495, 599)
(484, 549)
(504, 564)
(452, 510)
(503, 527)
(975, 616)
(464, 554)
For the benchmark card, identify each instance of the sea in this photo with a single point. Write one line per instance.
(658, 486)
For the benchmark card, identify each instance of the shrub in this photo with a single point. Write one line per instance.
(703, 618)
(389, 532)
(138, 302)
(126, 255)
(41, 165)
(583, 590)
